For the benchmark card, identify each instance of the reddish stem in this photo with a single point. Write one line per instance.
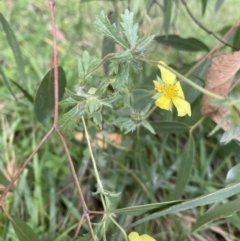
(9, 186)
(55, 63)
(75, 178)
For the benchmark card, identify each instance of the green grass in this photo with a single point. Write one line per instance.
(143, 167)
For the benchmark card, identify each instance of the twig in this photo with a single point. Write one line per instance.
(55, 124)
(204, 28)
(226, 36)
(9, 186)
(79, 190)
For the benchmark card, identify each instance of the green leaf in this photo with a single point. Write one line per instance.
(68, 121)
(231, 133)
(148, 126)
(142, 45)
(86, 63)
(167, 15)
(44, 101)
(187, 44)
(233, 174)
(236, 39)
(85, 1)
(6, 82)
(26, 94)
(200, 201)
(108, 46)
(218, 5)
(122, 77)
(3, 224)
(184, 172)
(130, 30)
(144, 209)
(14, 46)
(104, 26)
(169, 127)
(126, 124)
(22, 230)
(97, 118)
(204, 5)
(220, 211)
(93, 105)
(3, 180)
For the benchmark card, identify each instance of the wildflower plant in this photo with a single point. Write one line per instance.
(105, 99)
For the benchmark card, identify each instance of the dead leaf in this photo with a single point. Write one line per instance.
(9, 171)
(219, 79)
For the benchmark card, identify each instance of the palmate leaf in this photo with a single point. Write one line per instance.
(142, 46)
(122, 77)
(126, 124)
(86, 63)
(109, 30)
(129, 29)
(68, 121)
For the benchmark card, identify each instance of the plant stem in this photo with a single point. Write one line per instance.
(122, 230)
(196, 124)
(150, 112)
(186, 80)
(99, 182)
(95, 68)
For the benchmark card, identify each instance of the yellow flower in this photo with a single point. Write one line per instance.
(170, 91)
(134, 236)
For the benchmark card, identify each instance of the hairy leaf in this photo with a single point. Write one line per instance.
(104, 26)
(130, 30)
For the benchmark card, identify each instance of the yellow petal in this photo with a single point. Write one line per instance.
(179, 90)
(134, 236)
(163, 102)
(158, 86)
(183, 107)
(168, 77)
(146, 237)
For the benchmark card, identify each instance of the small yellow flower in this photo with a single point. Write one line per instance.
(134, 236)
(170, 91)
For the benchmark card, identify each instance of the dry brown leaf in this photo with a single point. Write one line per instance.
(219, 79)
(10, 171)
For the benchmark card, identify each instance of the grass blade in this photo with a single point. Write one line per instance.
(200, 201)
(14, 46)
(184, 172)
(6, 82)
(22, 230)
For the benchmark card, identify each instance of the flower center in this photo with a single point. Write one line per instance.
(170, 91)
